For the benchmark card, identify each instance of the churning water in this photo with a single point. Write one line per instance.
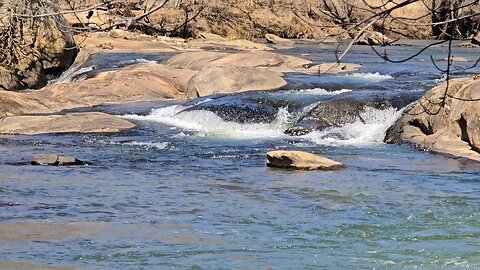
(189, 189)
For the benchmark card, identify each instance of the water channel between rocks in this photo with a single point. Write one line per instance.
(188, 187)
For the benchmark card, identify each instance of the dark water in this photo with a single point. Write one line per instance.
(190, 190)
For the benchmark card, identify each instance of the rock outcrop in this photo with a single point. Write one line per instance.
(444, 121)
(300, 160)
(93, 122)
(31, 48)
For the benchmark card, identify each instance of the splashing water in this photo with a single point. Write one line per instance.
(359, 133)
(206, 123)
(367, 77)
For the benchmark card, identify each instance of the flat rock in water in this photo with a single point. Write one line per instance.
(300, 160)
(91, 122)
(53, 159)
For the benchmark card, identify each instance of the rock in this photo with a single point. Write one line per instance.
(476, 39)
(8, 80)
(210, 36)
(374, 38)
(141, 82)
(92, 122)
(118, 33)
(52, 159)
(225, 44)
(4, 204)
(256, 59)
(233, 79)
(331, 68)
(348, 108)
(300, 160)
(279, 41)
(46, 43)
(453, 128)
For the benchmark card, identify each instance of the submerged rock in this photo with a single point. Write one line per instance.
(445, 122)
(348, 108)
(300, 160)
(53, 159)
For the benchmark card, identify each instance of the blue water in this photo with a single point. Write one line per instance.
(197, 195)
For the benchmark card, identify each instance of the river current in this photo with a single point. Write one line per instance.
(188, 188)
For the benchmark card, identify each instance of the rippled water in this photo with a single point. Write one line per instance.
(190, 190)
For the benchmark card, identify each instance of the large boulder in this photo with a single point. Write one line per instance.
(233, 79)
(443, 120)
(36, 46)
(348, 108)
(300, 160)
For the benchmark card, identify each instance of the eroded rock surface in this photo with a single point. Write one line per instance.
(92, 122)
(445, 122)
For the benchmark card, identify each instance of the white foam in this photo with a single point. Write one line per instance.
(147, 145)
(323, 92)
(135, 61)
(206, 123)
(359, 133)
(368, 77)
(69, 75)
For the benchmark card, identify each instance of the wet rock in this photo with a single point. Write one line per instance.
(69, 123)
(240, 109)
(233, 79)
(348, 108)
(6, 204)
(300, 160)
(443, 123)
(53, 159)
(374, 38)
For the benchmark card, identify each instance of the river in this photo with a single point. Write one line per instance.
(188, 187)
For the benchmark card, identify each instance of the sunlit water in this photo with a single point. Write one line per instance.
(187, 189)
